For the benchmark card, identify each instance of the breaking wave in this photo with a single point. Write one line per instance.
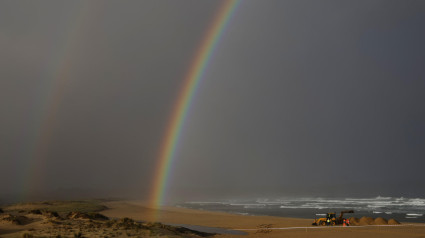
(412, 208)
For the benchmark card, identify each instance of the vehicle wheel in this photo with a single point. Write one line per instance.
(323, 223)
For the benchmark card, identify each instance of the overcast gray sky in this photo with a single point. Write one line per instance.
(300, 97)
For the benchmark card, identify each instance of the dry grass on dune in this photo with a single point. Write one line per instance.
(61, 207)
(41, 220)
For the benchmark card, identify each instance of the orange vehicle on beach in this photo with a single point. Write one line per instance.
(331, 219)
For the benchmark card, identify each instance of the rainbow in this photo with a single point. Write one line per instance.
(49, 101)
(191, 82)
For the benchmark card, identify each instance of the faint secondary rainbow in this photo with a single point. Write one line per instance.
(49, 100)
(197, 68)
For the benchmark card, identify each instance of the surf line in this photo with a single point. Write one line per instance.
(191, 82)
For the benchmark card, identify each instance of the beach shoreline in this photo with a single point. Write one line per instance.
(255, 226)
(170, 218)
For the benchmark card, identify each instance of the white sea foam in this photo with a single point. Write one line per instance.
(252, 206)
(196, 202)
(411, 207)
(291, 207)
(383, 198)
(248, 204)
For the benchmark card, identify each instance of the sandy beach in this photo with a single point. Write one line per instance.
(138, 219)
(253, 224)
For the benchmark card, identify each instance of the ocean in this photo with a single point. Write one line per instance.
(401, 209)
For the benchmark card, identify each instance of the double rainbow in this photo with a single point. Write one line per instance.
(191, 82)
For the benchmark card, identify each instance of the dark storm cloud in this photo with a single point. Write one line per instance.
(319, 93)
(300, 95)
